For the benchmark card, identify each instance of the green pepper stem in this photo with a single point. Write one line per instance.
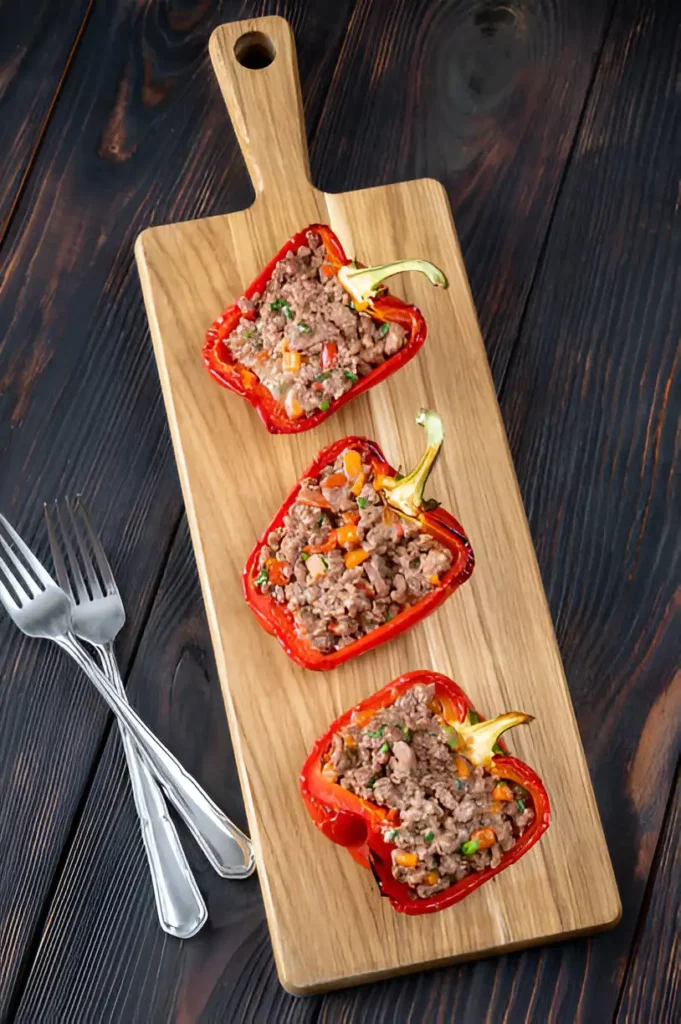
(362, 283)
(478, 740)
(406, 495)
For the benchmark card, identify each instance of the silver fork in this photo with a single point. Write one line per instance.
(98, 615)
(41, 609)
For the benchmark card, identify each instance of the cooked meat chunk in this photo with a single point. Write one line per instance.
(302, 337)
(345, 562)
(454, 818)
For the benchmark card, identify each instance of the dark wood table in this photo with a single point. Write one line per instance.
(555, 128)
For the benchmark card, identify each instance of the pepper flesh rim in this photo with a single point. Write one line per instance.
(336, 812)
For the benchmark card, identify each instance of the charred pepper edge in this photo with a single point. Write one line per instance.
(356, 823)
(232, 375)
(279, 622)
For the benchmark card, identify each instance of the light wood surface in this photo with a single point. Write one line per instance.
(328, 925)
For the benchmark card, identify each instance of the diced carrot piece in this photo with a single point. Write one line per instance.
(275, 572)
(379, 481)
(293, 407)
(352, 463)
(350, 742)
(362, 718)
(355, 558)
(327, 270)
(348, 536)
(358, 484)
(434, 579)
(406, 860)
(351, 517)
(290, 361)
(393, 814)
(502, 792)
(432, 878)
(435, 705)
(335, 480)
(462, 767)
(494, 807)
(485, 837)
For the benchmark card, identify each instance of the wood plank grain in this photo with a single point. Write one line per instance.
(652, 986)
(140, 135)
(494, 637)
(484, 97)
(37, 41)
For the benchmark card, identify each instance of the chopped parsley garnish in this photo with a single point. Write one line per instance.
(429, 836)
(323, 376)
(372, 782)
(352, 305)
(324, 405)
(304, 328)
(325, 562)
(321, 520)
(350, 375)
(262, 577)
(304, 555)
(362, 502)
(407, 733)
(284, 306)
(248, 332)
(389, 615)
(383, 330)
(376, 733)
(521, 805)
(385, 749)
(415, 563)
(392, 835)
(471, 847)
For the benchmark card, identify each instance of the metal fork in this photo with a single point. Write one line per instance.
(98, 615)
(41, 609)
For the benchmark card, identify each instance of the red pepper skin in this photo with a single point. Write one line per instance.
(279, 622)
(355, 823)
(223, 367)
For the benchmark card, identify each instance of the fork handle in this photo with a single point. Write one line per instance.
(228, 850)
(179, 903)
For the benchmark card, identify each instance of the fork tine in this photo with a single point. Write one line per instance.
(81, 589)
(7, 599)
(31, 584)
(102, 560)
(42, 573)
(14, 584)
(93, 580)
(57, 553)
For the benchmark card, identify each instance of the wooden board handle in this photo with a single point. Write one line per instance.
(256, 66)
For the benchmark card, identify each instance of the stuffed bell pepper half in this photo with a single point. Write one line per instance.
(421, 790)
(355, 555)
(313, 331)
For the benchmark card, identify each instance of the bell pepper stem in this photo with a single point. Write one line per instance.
(406, 495)
(363, 283)
(478, 740)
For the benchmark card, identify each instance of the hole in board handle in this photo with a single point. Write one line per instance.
(254, 50)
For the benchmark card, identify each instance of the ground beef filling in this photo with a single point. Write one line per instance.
(450, 819)
(347, 568)
(307, 343)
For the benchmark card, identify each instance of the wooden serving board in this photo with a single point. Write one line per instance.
(494, 636)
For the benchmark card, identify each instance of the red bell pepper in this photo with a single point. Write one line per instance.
(363, 285)
(405, 496)
(358, 824)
